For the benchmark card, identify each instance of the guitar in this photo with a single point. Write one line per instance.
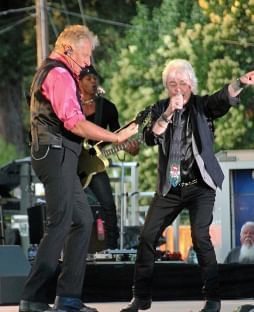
(93, 159)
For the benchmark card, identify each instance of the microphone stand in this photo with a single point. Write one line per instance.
(122, 195)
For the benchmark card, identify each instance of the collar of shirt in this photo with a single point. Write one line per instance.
(59, 57)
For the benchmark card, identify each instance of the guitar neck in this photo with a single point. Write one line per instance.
(142, 118)
(115, 149)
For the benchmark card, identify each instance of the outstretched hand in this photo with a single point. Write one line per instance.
(248, 78)
(236, 86)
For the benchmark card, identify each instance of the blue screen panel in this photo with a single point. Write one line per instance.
(243, 194)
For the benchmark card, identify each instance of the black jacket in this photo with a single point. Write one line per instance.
(202, 109)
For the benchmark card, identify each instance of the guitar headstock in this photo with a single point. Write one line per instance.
(144, 116)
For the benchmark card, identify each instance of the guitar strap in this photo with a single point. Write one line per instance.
(98, 110)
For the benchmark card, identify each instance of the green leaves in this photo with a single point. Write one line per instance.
(8, 152)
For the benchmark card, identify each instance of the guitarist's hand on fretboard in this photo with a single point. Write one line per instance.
(132, 147)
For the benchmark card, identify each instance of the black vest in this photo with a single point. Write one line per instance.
(46, 127)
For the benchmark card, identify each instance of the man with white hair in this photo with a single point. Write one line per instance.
(188, 175)
(245, 252)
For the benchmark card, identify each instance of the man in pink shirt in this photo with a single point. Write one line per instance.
(58, 127)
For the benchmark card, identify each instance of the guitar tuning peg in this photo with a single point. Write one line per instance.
(143, 115)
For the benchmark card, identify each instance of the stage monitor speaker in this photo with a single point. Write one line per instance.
(37, 222)
(14, 268)
(245, 308)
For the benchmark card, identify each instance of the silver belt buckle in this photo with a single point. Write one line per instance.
(184, 184)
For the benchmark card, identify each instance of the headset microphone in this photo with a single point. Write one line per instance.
(67, 53)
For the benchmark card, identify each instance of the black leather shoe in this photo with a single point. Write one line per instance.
(137, 304)
(29, 306)
(211, 306)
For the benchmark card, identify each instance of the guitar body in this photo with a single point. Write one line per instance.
(91, 161)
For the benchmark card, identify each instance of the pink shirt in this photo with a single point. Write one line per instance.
(60, 89)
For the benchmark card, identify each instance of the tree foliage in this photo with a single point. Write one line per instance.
(8, 152)
(17, 58)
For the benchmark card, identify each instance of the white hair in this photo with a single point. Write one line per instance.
(183, 66)
(247, 224)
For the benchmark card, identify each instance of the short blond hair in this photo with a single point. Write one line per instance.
(73, 34)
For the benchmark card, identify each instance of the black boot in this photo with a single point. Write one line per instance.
(137, 304)
(211, 306)
(30, 306)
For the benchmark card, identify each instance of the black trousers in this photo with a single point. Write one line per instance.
(69, 225)
(199, 200)
(100, 186)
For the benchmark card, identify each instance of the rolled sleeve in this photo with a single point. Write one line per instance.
(70, 123)
(60, 89)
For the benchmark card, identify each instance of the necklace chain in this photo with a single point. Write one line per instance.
(88, 102)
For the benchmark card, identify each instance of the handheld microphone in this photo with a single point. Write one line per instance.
(178, 112)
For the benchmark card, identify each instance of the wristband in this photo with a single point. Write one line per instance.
(164, 118)
(240, 84)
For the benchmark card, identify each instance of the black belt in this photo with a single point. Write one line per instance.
(184, 184)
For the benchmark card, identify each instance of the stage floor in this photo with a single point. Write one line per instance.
(158, 306)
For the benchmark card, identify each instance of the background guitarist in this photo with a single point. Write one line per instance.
(102, 112)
